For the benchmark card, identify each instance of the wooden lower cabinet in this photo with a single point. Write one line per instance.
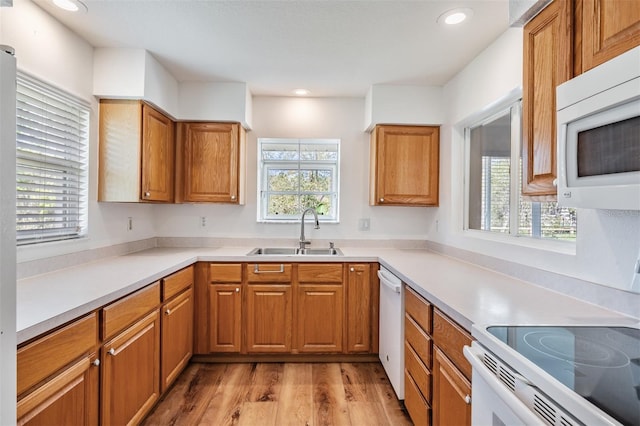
(225, 317)
(418, 408)
(269, 318)
(131, 372)
(177, 336)
(359, 300)
(319, 318)
(69, 398)
(451, 393)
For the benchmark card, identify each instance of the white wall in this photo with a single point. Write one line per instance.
(608, 242)
(48, 50)
(303, 118)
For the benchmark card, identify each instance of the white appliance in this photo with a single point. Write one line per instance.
(598, 116)
(391, 335)
(7, 236)
(555, 375)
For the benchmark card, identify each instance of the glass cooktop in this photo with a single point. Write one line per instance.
(602, 364)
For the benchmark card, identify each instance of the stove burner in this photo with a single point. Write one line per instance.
(576, 350)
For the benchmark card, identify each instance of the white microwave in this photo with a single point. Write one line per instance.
(598, 116)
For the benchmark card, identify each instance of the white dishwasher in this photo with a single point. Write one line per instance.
(391, 350)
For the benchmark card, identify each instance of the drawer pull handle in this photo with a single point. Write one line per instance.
(112, 351)
(467, 399)
(352, 269)
(256, 270)
(96, 362)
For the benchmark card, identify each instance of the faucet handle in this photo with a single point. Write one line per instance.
(330, 244)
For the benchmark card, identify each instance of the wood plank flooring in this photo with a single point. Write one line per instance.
(263, 394)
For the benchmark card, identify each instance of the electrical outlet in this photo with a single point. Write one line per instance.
(129, 223)
(364, 224)
(203, 221)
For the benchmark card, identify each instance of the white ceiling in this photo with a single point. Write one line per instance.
(332, 48)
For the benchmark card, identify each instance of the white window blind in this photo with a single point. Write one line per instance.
(51, 163)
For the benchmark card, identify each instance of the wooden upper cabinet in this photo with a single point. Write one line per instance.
(210, 163)
(404, 165)
(609, 28)
(136, 160)
(547, 63)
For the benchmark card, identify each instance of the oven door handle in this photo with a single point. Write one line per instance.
(519, 408)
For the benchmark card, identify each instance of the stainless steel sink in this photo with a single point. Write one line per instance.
(286, 251)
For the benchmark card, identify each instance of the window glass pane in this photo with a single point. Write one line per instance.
(283, 205)
(282, 180)
(547, 220)
(316, 180)
(489, 175)
(322, 203)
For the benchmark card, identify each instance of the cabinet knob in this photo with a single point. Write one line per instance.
(96, 362)
(167, 312)
(467, 399)
(382, 200)
(352, 269)
(555, 182)
(112, 351)
(233, 197)
(147, 194)
(237, 290)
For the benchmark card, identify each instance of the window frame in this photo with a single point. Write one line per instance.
(27, 118)
(512, 104)
(264, 166)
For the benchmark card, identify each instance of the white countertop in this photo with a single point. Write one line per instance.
(467, 293)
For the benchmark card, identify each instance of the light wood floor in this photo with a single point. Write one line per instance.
(263, 394)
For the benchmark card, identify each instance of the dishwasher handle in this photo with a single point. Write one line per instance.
(519, 408)
(390, 280)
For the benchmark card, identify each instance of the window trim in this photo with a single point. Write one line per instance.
(485, 115)
(264, 166)
(51, 93)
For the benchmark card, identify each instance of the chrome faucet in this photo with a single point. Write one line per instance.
(303, 241)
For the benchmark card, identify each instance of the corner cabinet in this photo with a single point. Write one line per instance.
(136, 153)
(547, 63)
(404, 165)
(210, 163)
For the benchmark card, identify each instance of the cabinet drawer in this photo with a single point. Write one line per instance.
(225, 272)
(175, 283)
(418, 372)
(451, 338)
(418, 339)
(122, 313)
(43, 357)
(320, 272)
(269, 272)
(418, 408)
(418, 308)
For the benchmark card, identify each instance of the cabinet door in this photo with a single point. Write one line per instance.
(359, 303)
(319, 318)
(70, 398)
(158, 142)
(269, 318)
(177, 336)
(225, 320)
(547, 63)
(131, 372)
(404, 165)
(608, 29)
(211, 166)
(451, 393)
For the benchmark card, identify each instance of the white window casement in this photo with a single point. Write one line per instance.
(493, 181)
(51, 163)
(295, 174)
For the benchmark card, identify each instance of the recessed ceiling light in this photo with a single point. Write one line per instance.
(301, 92)
(71, 5)
(455, 16)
